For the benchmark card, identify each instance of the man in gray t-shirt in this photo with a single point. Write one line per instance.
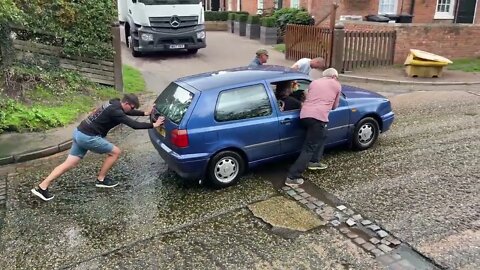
(305, 65)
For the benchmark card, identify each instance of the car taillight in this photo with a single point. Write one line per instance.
(179, 138)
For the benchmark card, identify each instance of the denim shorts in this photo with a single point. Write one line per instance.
(82, 143)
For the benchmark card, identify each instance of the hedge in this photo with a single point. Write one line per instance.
(268, 21)
(241, 17)
(253, 19)
(216, 15)
(85, 26)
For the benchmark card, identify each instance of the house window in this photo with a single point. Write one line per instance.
(387, 7)
(444, 9)
(260, 7)
(294, 3)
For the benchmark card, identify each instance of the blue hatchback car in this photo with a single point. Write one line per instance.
(219, 124)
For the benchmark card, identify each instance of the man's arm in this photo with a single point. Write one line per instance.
(337, 100)
(124, 119)
(136, 113)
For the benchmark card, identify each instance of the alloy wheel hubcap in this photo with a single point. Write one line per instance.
(226, 169)
(365, 133)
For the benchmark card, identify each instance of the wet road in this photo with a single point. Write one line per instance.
(420, 182)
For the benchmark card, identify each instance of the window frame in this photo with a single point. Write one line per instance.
(237, 88)
(295, 3)
(442, 15)
(395, 7)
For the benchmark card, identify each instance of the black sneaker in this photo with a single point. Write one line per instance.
(42, 194)
(106, 183)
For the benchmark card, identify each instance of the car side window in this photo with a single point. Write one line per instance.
(242, 103)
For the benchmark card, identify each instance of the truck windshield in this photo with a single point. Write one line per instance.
(169, 2)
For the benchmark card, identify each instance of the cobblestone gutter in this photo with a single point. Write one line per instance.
(364, 232)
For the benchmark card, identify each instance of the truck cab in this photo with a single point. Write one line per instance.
(162, 25)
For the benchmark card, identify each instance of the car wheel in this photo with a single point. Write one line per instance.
(192, 51)
(366, 133)
(225, 169)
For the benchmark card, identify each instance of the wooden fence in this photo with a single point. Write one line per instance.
(98, 71)
(307, 41)
(368, 49)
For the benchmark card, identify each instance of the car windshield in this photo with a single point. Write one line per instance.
(173, 102)
(169, 2)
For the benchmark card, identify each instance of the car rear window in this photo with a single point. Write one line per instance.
(173, 102)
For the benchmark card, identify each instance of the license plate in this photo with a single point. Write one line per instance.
(161, 131)
(177, 46)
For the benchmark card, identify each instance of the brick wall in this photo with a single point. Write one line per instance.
(451, 41)
(424, 10)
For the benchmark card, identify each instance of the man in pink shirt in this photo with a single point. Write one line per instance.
(322, 97)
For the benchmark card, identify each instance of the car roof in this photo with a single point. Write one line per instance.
(240, 75)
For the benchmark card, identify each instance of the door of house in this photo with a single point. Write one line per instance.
(215, 5)
(466, 11)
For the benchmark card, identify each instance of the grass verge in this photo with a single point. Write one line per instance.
(280, 48)
(34, 99)
(467, 65)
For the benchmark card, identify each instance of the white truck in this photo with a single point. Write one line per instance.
(162, 25)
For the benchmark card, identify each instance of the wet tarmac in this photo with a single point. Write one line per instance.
(420, 182)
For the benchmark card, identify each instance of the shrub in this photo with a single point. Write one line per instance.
(253, 19)
(84, 25)
(241, 17)
(268, 21)
(231, 16)
(216, 15)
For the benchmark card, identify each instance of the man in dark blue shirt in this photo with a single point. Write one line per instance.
(90, 136)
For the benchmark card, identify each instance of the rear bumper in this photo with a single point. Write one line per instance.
(191, 166)
(387, 121)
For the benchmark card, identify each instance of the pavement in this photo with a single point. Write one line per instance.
(19, 147)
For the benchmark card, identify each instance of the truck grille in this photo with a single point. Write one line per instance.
(165, 22)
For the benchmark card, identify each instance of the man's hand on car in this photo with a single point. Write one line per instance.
(159, 122)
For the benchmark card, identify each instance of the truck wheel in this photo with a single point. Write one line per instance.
(131, 46)
(192, 51)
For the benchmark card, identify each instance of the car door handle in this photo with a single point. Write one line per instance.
(286, 121)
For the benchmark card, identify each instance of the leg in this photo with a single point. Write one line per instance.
(314, 128)
(318, 154)
(67, 165)
(112, 157)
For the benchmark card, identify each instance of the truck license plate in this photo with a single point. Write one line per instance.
(177, 46)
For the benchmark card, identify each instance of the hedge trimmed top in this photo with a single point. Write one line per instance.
(280, 18)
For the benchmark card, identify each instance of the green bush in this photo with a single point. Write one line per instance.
(239, 17)
(270, 21)
(253, 19)
(216, 15)
(231, 16)
(85, 26)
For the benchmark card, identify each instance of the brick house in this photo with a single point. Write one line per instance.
(423, 11)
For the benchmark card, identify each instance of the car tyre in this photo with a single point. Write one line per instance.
(225, 169)
(365, 134)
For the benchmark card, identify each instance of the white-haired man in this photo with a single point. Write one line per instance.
(323, 96)
(305, 65)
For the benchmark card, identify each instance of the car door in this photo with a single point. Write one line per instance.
(338, 123)
(292, 133)
(245, 118)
